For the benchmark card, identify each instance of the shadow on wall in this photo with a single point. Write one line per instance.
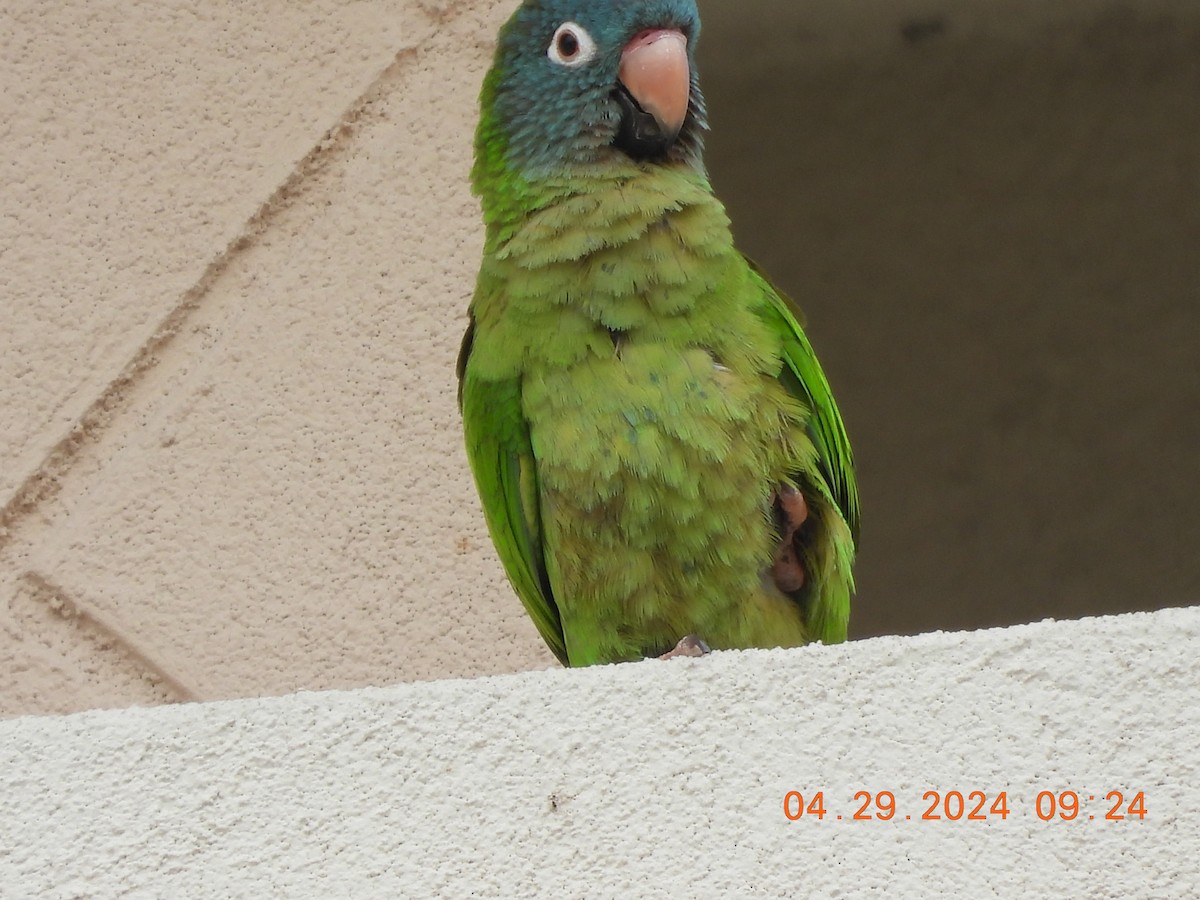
(994, 229)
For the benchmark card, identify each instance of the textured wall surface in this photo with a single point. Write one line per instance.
(236, 250)
(236, 468)
(650, 779)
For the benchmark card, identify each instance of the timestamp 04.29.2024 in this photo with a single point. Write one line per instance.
(969, 806)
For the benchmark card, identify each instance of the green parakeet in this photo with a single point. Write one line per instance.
(657, 450)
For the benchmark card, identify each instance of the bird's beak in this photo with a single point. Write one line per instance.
(655, 72)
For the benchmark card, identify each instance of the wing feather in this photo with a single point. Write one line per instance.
(805, 379)
(831, 553)
(501, 456)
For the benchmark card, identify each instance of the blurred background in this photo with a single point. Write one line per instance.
(992, 222)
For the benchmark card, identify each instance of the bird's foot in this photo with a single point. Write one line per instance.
(791, 511)
(689, 645)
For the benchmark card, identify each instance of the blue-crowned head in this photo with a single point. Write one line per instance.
(581, 81)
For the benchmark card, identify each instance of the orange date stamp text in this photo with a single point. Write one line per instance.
(969, 806)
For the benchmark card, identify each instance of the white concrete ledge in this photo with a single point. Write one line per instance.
(651, 779)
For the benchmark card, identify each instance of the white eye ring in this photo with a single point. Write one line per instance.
(571, 45)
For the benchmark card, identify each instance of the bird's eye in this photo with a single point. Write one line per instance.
(571, 45)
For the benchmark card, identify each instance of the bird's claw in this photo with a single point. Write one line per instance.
(689, 645)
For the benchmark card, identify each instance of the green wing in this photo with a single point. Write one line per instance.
(501, 457)
(827, 609)
(805, 379)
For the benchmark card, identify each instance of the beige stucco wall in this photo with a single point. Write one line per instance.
(240, 247)
(237, 245)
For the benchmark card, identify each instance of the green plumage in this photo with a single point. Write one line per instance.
(633, 391)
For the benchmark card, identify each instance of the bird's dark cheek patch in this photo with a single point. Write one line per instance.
(638, 133)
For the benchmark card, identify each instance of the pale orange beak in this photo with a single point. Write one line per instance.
(655, 72)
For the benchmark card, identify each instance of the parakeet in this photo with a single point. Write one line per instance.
(659, 456)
